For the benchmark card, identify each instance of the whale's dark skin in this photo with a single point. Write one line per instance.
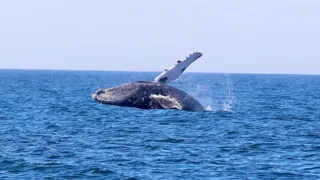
(148, 95)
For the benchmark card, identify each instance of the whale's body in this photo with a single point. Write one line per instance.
(148, 95)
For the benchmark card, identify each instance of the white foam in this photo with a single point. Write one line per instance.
(208, 108)
(226, 106)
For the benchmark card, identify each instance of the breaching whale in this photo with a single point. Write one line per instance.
(148, 95)
(155, 94)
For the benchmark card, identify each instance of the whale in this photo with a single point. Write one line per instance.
(147, 95)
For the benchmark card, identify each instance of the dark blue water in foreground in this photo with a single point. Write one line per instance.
(257, 127)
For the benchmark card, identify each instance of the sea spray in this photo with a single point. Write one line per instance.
(229, 96)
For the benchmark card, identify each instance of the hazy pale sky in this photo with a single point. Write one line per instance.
(247, 36)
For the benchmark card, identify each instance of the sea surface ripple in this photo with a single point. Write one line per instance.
(256, 127)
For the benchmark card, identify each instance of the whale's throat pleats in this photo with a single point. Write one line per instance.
(164, 102)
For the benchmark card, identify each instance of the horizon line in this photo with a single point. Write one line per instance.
(204, 72)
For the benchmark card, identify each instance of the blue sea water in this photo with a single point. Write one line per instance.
(255, 127)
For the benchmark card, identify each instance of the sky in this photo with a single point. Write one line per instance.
(247, 36)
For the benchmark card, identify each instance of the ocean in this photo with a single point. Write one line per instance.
(256, 127)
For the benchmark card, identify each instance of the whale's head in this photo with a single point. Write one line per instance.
(102, 95)
(108, 96)
(114, 96)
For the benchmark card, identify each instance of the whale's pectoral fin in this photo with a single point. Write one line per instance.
(175, 71)
(164, 102)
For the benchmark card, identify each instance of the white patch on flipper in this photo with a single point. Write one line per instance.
(175, 71)
(165, 102)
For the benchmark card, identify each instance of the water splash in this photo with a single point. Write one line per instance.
(229, 94)
(215, 94)
(226, 107)
(220, 98)
(208, 108)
